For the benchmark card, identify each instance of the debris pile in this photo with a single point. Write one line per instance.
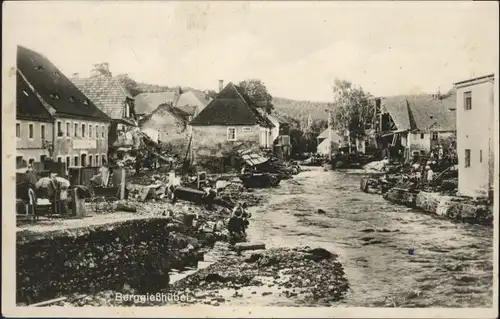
(418, 185)
(311, 276)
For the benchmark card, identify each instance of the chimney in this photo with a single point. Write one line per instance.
(221, 85)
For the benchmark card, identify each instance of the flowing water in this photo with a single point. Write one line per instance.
(393, 256)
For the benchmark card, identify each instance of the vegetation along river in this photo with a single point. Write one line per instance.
(452, 263)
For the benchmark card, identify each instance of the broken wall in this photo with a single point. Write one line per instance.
(211, 146)
(171, 130)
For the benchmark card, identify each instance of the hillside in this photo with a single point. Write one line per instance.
(295, 109)
(301, 110)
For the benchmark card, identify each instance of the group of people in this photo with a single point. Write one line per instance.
(422, 173)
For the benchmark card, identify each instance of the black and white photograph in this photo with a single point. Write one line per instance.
(250, 159)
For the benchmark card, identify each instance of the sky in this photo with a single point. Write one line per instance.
(296, 48)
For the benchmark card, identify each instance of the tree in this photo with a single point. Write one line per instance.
(353, 110)
(101, 69)
(211, 94)
(258, 94)
(130, 84)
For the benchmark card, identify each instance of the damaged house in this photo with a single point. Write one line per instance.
(415, 124)
(111, 97)
(79, 130)
(227, 122)
(167, 124)
(146, 103)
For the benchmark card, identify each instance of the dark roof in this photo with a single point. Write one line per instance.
(231, 107)
(28, 106)
(54, 87)
(422, 112)
(433, 113)
(107, 93)
(146, 103)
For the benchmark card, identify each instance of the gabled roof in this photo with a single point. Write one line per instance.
(166, 108)
(107, 93)
(28, 106)
(191, 101)
(432, 113)
(231, 107)
(422, 112)
(397, 107)
(276, 118)
(146, 103)
(325, 134)
(54, 87)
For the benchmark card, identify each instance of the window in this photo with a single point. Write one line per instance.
(75, 161)
(102, 132)
(42, 158)
(96, 160)
(480, 156)
(90, 160)
(84, 160)
(19, 160)
(468, 100)
(467, 158)
(42, 132)
(31, 132)
(59, 129)
(421, 136)
(18, 130)
(68, 128)
(231, 134)
(59, 159)
(83, 130)
(75, 130)
(90, 130)
(435, 136)
(103, 160)
(68, 161)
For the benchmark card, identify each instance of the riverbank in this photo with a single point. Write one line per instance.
(451, 264)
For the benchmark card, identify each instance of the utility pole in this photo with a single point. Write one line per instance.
(330, 120)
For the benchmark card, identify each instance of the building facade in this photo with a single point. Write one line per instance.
(78, 133)
(34, 125)
(475, 135)
(111, 97)
(229, 121)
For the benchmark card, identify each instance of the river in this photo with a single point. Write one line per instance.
(452, 263)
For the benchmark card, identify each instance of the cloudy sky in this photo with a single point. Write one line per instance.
(296, 48)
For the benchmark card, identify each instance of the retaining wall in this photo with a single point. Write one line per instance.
(135, 252)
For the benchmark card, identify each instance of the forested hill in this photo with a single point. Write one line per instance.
(301, 110)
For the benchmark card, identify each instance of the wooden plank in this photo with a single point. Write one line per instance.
(249, 246)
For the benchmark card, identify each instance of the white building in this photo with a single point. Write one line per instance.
(475, 135)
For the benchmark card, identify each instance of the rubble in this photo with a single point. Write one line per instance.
(312, 276)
